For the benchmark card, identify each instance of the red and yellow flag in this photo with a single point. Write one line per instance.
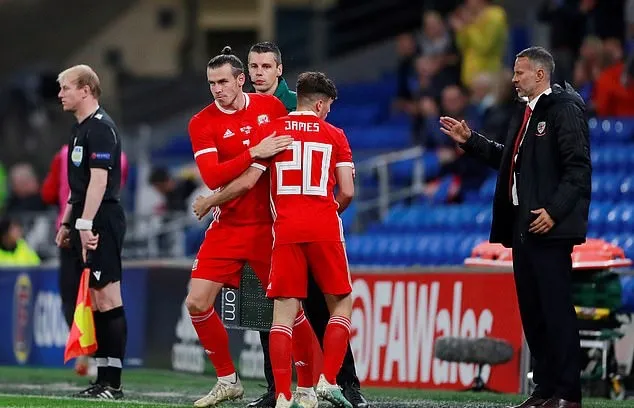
(82, 339)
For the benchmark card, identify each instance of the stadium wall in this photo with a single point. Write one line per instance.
(397, 315)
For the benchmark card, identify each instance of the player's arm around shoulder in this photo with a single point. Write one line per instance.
(245, 182)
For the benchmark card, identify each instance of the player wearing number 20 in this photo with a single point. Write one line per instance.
(307, 233)
(222, 140)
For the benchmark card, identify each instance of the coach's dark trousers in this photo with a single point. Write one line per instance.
(318, 315)
(542, 279)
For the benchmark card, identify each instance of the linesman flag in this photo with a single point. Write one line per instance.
(82, 339)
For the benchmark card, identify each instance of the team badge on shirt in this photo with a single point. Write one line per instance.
(263, 119)
(77, 155)
(541, 128)
(246, 129)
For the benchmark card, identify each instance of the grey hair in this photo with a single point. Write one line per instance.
(540, 57)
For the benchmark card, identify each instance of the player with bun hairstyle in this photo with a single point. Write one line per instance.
(240, 231)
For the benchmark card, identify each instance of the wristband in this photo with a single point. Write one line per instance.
(82, 224)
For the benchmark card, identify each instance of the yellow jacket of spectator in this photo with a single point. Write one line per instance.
(482, 43)
(23, 255)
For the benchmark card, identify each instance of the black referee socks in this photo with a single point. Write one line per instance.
(113, 337)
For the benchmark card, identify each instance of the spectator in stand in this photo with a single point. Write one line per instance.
(605, 18)
(457, 175)
(176, 192)
(567, 29)
(25, 190)
(481, 35)
(437, 41)
(482, 93)
(407, 51)
(582, 81)
(613, 96)
(14, 251)
(498, 116)
(454, 103)
(3, 187)
(629, 26)
(432, 80)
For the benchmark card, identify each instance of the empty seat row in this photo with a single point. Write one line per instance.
(402, 250)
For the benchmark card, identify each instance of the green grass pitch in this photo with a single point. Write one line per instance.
(39, 387)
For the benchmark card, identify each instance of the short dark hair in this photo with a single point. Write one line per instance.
(159, 175)
(226, 56)
(541, 57)
(267, 46)
(314, 84)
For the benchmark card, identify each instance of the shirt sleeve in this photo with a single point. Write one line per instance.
(343, 156)
(102, 143)
(262, 132)
(213, 173)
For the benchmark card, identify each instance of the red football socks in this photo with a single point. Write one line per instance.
(215, 340)
(336, 340)
(280, 348)
(303, 350)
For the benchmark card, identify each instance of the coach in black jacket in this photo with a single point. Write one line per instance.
(540, 209)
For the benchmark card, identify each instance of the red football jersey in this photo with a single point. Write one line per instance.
(303, 179)
(220, 141)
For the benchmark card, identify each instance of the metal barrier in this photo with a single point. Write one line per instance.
(386, 196)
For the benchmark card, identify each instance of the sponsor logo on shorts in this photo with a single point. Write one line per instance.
(22, 328)
(195, 264)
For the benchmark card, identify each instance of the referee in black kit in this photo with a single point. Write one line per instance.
(94, 222)
(540, 209)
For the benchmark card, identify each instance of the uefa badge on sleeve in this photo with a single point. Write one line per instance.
(541, 128)
(77, 155)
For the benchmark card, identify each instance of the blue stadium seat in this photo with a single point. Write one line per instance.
(611, 130)
(345, 116)
(379, 137)
(627, 189)
(361, 93)
(597, 216)
(628, 245)
(627, 218)
(487, 190)
(613, 220)
(179, 146)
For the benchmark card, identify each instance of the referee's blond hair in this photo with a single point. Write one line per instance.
(82, 75)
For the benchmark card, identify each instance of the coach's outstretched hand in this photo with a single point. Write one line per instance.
(270, 146)
(457, 130)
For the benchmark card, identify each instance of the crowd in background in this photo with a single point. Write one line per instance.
(455, 66)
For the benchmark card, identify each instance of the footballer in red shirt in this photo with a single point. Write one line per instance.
(221, 135)
(307, 230)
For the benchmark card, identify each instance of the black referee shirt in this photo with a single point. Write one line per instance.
(94, 143)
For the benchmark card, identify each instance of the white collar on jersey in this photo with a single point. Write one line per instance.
(232, 111)
(298, 113)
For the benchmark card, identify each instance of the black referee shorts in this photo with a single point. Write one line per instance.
(105, 261)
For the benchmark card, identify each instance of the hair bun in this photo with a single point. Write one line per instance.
(226, 50)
